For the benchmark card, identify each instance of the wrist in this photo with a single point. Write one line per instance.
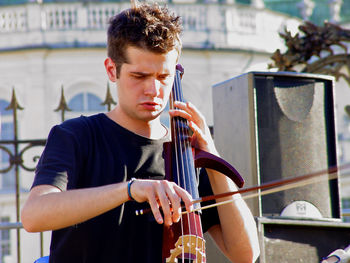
(130, 197)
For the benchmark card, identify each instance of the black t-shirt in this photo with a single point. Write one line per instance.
(95, 151)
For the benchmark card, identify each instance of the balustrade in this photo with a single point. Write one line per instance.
(58, 17)
(205, 25)
(98, 15)
(13, 19)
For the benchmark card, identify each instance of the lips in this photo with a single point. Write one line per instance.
(150, 105)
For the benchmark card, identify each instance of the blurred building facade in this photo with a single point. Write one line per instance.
(47, 45)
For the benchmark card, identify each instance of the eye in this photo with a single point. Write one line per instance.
(164, 77)
(138, 76)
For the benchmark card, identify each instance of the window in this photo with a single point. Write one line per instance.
(86, 102)
(346, 208)
(5, 240)
(7, 180)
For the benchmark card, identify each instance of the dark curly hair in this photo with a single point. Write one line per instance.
(146, 26)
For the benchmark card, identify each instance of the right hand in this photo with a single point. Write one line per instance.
(164, 194)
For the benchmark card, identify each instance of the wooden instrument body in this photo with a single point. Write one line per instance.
(184, 240)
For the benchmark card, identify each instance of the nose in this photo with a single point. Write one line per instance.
(152, 87)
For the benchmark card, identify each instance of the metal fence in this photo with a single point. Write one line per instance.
(16, 148)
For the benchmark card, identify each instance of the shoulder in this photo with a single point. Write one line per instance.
(74, 130)
(80, 125)
(80, 122)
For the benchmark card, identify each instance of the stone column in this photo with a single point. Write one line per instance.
(34, 17)
(258, 3)
(230, 2)
(334, 10)
(306, 7)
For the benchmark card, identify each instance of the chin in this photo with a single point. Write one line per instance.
(153, 116)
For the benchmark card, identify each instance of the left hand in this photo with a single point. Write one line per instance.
(201, 137)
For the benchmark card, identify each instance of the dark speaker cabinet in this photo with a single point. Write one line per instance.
(272, 126)
(299, 241)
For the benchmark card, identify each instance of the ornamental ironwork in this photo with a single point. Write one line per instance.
(316, 49)
(15, 149)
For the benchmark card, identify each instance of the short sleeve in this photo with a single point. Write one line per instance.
(58, 160)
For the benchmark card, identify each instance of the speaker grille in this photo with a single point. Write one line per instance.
(293, 139)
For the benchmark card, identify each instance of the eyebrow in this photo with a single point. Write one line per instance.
(140, 73)
(146, 74)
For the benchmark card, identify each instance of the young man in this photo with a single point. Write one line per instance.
(83, 179)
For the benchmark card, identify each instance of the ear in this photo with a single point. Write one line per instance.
(111, 69)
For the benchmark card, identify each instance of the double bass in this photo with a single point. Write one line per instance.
(183, 241)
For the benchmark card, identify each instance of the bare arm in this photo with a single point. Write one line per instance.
(236, 235)
(49, 208)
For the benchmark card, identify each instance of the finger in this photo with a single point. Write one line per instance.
(180, 105)
(175, 201)
(191, 114)
(191, 109)
(197, 130)
(201, 134)
(155, 209)
(162, 188)
(186, 197)
(197, 117)
(180, 113)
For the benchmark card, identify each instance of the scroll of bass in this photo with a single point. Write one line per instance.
(183, 241)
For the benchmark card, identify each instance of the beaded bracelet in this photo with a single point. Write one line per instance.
(129, 186)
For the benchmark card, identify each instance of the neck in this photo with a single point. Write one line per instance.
(150, 129)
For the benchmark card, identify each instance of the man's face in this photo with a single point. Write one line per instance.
(144, 83)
